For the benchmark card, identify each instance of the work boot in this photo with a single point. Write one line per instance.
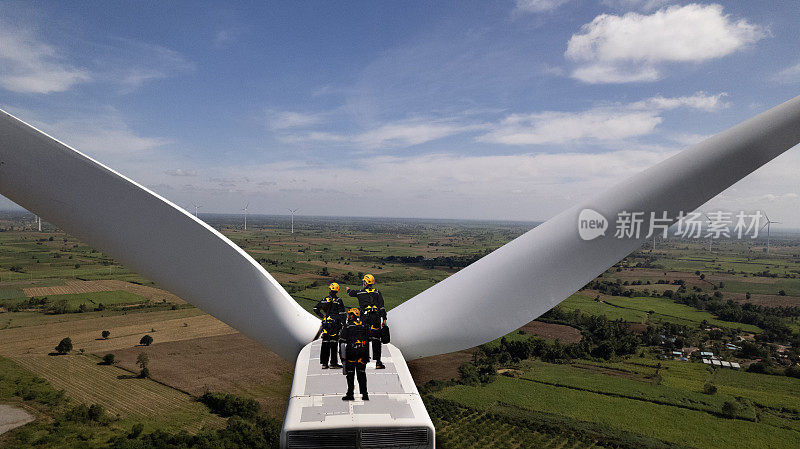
(379, 365)
(365, 397)
(324, 366)
(348, 397)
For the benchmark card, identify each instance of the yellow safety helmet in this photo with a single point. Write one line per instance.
(354, 311)
(334, 287)
(369, 279)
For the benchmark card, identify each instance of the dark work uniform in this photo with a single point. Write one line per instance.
(330, 340)
(331, 305)
(356, 355)
(370, 301)
(331, 310)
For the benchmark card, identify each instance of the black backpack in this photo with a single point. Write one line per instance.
(385, 338)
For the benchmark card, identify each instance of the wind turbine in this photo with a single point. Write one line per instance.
(293, 212)
(196, 206)
(532, 273)
(245, 215)
(767, 224)
(709, 239)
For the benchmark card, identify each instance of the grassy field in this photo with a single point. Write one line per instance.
(664, 309)
(589, 306)
(668, 423)
(461, 427)
(648, 309)
(639, 383)
(119, 392)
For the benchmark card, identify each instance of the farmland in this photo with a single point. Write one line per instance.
(580, 380)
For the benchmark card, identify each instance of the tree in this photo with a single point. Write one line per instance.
(146, 340)
(105, 334)
(730, 408)
(136, 430)
(468, 374)
(709, 388)
(96, 413)
(108, 359)
(142, 360)
(64, 346)
(60, 306)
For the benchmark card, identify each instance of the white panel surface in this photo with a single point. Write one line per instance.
(150, 235)
(528, 276)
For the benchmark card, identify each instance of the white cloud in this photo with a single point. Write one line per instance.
(104, 133)
(406, 133)
(604, 123)
(454, 185)
(699, 101)
(562, 127)
(535, 6)
(28, 65)
(288, 119)
(639, 5)
(788, 75)
(632, 47)
(181, 172)
(401, 133)
(136, 63)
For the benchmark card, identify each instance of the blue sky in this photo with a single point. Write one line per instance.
(508, 110)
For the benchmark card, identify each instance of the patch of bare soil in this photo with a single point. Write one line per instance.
(229, 363)
(441, 367)
(567, 334)
(13, 417)
(126, 331)
(106, 285)
(764, 300)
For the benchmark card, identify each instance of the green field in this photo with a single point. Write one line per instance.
(127, 401)
(666, 310)
(589, 306)
(673, 424)
(93, 299)
(637, 310)
(632, 382)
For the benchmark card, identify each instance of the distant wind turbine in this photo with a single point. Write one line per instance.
(245, 215)
(767, 224)
(196, 206)
(709, 239)
(293, 212)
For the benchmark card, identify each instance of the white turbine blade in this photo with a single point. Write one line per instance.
(526, 277)
(150, 235)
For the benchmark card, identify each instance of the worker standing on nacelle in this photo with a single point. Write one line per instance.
(354, 353)
(331, 310)
(331, 304)
(370, 301)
